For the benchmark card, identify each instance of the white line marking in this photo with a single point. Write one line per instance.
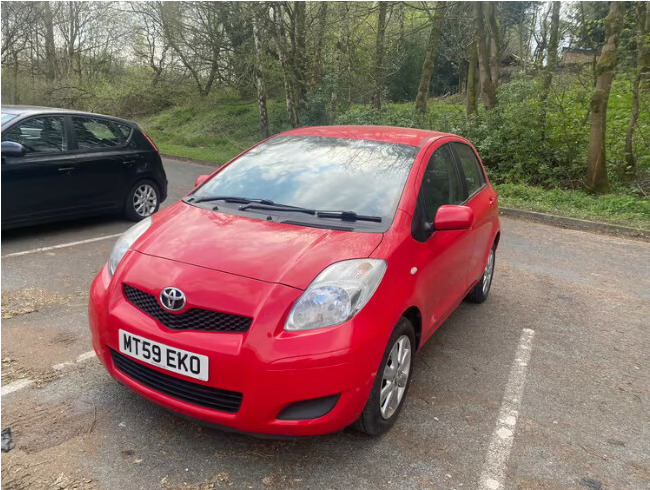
(498, 453)
(24, 383)
(15, 386)
(63, 245)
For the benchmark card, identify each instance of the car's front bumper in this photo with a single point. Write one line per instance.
(272, 369)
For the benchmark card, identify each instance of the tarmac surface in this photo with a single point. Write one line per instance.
(544, 386)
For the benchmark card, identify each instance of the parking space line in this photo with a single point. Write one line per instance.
(24, 383)
(62, 245)
(503, 436)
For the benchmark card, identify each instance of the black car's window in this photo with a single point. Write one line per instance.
(474, 177)
(440, 184)
(322, 173)
(44, 134)
(125, 130)
(95, 134)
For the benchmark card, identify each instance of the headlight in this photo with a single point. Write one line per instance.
(125, 242)
(337, 294)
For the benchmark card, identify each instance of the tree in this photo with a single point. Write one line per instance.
(430, 58)
(641, 81)
(597, 180)
(488, 86)
(551, 61)
(379, 56)
(257, 16)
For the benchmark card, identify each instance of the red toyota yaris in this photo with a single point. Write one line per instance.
(288, 292)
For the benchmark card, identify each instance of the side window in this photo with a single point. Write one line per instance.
(440, 184)
(39, 135)
(125, 130)
(94, 134)
(471, 167)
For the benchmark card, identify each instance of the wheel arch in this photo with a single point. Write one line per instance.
(415, 317)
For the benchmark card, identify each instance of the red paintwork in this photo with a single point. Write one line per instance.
(453, 218)
(259, 269)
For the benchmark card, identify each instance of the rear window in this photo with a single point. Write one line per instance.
(95, 134)
(338, 174)
(471, 168)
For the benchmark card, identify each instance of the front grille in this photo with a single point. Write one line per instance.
(192, 319)
(205, 396)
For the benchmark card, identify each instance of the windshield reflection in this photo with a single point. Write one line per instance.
(323, 173)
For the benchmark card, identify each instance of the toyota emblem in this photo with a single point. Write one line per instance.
(172, 299)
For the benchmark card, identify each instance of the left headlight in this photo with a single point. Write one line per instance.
(124, 243)
(337, 294)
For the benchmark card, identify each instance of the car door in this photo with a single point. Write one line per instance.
(35, 185)
(102, 163)
(482, 199)
(441, 258)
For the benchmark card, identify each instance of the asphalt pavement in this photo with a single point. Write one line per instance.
(544, 386)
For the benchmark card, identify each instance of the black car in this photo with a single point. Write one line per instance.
(59, 164)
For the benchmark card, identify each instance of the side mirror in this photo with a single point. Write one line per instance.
(12, 149)
(451, 217)
(200, 179)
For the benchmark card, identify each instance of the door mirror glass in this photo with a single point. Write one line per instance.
(200, 179)
(12, 149)
(453, 218)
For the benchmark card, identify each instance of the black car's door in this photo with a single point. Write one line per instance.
(103, 163)
(36, 185)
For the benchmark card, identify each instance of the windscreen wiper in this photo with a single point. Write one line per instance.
(231, 199)
(347, 216)
(271, 206)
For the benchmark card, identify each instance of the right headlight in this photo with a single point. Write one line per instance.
(337, 294)
(124, 243)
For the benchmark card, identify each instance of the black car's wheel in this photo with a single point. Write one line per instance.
(480, 292)
(142, 201)
(391, 384)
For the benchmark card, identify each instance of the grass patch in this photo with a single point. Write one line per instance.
(619, 209)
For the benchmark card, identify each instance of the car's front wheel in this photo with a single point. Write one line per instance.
(142, 201)
(391, 384)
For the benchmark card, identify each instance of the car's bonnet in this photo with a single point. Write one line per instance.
(267, 251)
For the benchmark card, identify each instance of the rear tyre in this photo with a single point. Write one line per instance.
(142, 201)
(391, 384)
(480, 292)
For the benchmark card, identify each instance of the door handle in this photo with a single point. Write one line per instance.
(128, 163)
(66, 169)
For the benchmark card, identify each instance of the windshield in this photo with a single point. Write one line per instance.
(6, 117)
(361, 176)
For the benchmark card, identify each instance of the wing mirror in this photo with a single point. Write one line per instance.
(451, 217)
(200, 180)
(12, 149)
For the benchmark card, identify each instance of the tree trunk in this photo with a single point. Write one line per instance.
(259, 77)
(597, 180)
(488, 91)
(292, 110)
(379, 56)
(551, 63)
(470, 99)
(430, 59)
(490, 15)
(318, 50)
(50, 48)
(298, 54)
(342, 11)
(640, 83)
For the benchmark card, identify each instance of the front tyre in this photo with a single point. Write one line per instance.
(480, 292)
(142, 201)
(391, 384)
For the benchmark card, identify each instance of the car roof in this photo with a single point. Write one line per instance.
(390, 134)
(28, 110)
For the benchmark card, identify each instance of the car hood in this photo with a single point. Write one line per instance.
(268, 251)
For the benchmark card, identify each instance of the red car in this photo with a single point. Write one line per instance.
(288, 292)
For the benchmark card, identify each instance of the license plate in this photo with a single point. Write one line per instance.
(170, 358)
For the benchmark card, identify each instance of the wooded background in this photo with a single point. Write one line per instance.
(551, 95)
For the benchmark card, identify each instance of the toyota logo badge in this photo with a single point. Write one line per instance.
(172, 299)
